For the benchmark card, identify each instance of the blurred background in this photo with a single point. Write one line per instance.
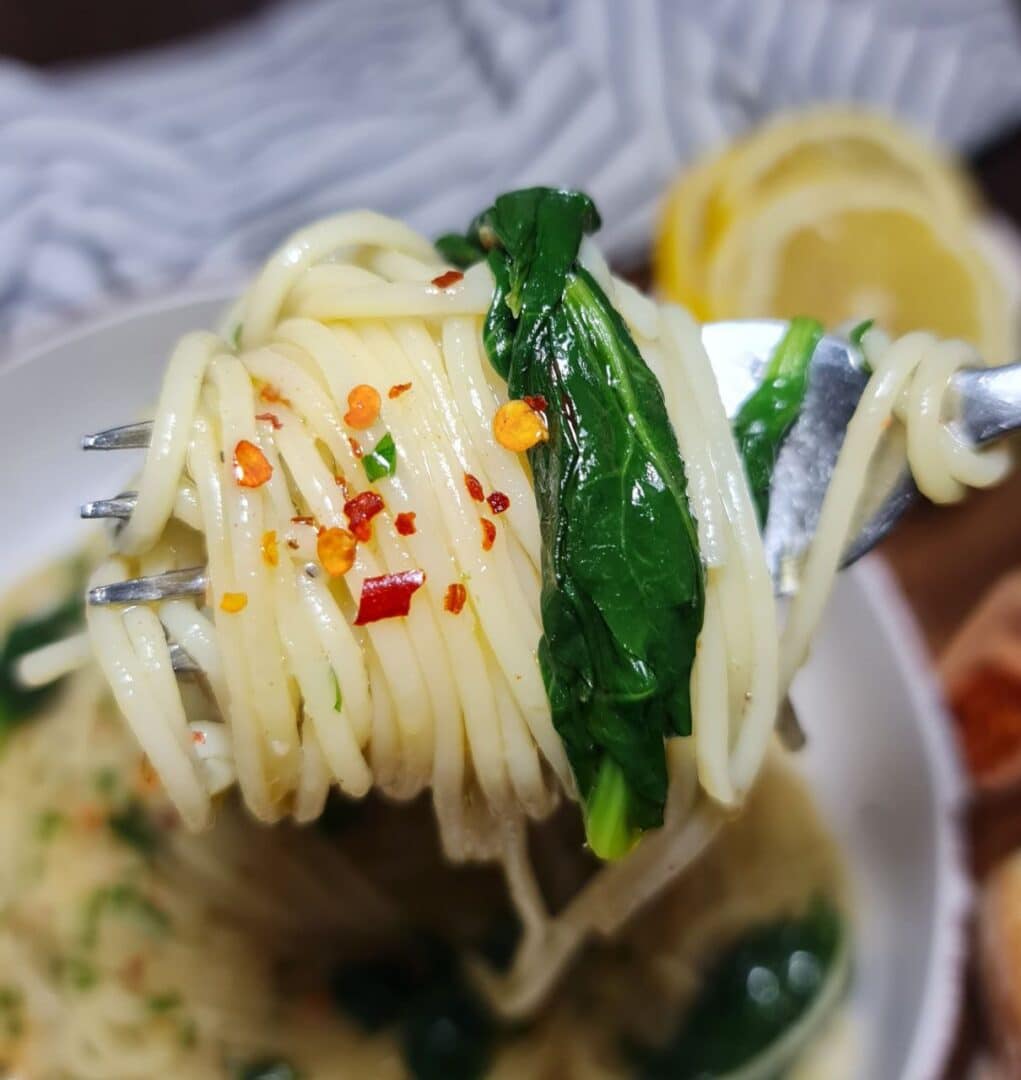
(146, 148)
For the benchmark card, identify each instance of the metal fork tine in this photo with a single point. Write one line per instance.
(167, 586)
(126, 437)
(120, 506)
(181, 661)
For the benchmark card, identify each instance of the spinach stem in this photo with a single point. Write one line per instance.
(607, 828)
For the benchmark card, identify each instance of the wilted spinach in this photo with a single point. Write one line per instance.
(623, 583)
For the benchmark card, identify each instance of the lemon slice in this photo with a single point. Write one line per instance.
(686, 236)
(840, 249)
(829, 143)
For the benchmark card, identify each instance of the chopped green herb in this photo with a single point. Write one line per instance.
(11, 1011)
(131, 824)
(267, 1069)
(17, 704)
(80, 974)
(123, 900)
(381, 461)
(338, 699)
(48, 824)
(623, 583)
(753, 994)
(857, 335)
(163, 1003)
(768, 414)
(106, 781)
(235, 337)
(460, 251)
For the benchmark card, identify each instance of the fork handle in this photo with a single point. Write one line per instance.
(990, 401)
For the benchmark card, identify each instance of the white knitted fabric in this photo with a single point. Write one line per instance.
(188, 164)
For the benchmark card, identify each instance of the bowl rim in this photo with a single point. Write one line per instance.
(940, 1008)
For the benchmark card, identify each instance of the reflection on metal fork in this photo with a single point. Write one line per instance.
(128, 437)
(120, 506)
(171, 585)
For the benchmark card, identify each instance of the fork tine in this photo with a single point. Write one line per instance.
(120, 506)
(181, 660)
(167, 586)
(126, 437)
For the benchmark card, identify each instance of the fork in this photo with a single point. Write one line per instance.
(988, 402)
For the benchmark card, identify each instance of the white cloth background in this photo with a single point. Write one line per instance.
(188, 164)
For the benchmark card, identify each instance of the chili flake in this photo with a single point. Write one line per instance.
(363, 405)
(271, 418)
(303, 519)
(536, 402)
(336, 550)
(198, 738)
(397, 389)
(404, 523)
(488, 534)
(272, 396)
(388, 596)
(518, 427)
(293, 544)
(474, 487)
(454, 599)
(445, 280)
(356, 446)
(251, 469)
(233, 602)
(270, 552)
(360, 511)
(498, 502)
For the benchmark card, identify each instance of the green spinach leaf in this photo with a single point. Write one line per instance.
(752, 995)
(768, 414)
(17, 704)
(623, 583)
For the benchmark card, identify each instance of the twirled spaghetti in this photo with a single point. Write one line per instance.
(449, 696)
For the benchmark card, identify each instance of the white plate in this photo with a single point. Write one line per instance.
(878, 756)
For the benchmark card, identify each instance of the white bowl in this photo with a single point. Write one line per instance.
(879, 758)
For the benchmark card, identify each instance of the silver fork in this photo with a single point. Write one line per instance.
(988, 403)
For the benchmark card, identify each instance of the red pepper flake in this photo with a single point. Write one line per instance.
(303, 519)
(336, 551)
(198, 738)
(445, 280)
(536, 402)
(454, 598)
(293, 544)
(360, 511)
(498, 502)
(363, 407)
(356, 446)
(397, 389)
(251, 469)
(233, 602)
(270, 553)
(405, 523)
(388, 596)
(474, 487)
(272, 396)
(488, 534)
(271, 418)
(132, 972)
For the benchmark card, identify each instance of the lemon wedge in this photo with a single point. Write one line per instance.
(838, 214)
